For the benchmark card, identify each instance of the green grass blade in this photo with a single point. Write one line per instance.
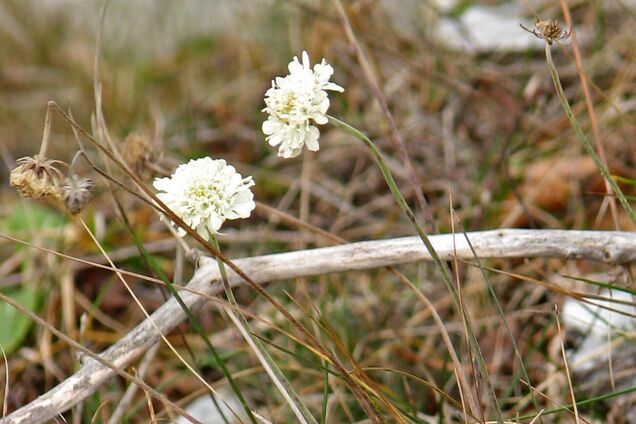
(502, 315)
(590, 401)
(386, 173)
(196, 325)
(325, 393)
(583, 139)
(601, 284)
(280, 381)
(624, 180)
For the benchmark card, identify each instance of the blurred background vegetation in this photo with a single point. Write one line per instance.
(472, 99)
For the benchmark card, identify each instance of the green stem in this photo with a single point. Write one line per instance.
(583, 139)
(404, 207)
(196, 325)
(590, 401)
(325, 392)
(277, 376)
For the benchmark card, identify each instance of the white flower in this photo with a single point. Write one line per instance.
(294, 103)
(204, 193)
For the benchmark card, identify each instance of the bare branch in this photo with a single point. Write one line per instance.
(610, 247)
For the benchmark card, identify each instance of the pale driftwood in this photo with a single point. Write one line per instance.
(612, 247)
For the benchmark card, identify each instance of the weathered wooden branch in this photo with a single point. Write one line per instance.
(611, 247)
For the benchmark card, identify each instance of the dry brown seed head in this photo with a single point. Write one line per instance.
(37, 176)
(138, 150)
(548, 30)
(76, 193)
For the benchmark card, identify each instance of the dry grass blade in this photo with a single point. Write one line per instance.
(377, 92)
(590, 107)
(5, 395)
(47, 406)
(567, 368)
(148, 317)
(128, 396)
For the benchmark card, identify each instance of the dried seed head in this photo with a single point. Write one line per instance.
(138, 150)
(76, 193)
(549, 30)
(37, 176)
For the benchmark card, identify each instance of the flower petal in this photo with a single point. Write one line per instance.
(294, 103)
(205, 192)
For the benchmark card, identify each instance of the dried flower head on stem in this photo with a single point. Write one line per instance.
(77, 192)
(549, 30)
(138, 150)
(38, 176)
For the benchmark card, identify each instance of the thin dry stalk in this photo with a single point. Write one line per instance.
(100, 409)
(590, 108)
(567, 368)
(45, 342)
(5, 396)
(148, 317)
(45, 410)
(476, 407)
(461, 398)
(396, 137)
(537, 417)
(131, 391)
(67, 293)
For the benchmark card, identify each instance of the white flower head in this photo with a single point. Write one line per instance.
(204, 193)
(296, 102)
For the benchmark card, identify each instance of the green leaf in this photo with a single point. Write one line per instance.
(18, 325)
(31, 216)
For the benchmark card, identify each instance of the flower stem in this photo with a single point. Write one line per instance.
(156, 203)
(75, 160)
(47, 131)
(277, 376)
(404, 207)
(583, 139)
